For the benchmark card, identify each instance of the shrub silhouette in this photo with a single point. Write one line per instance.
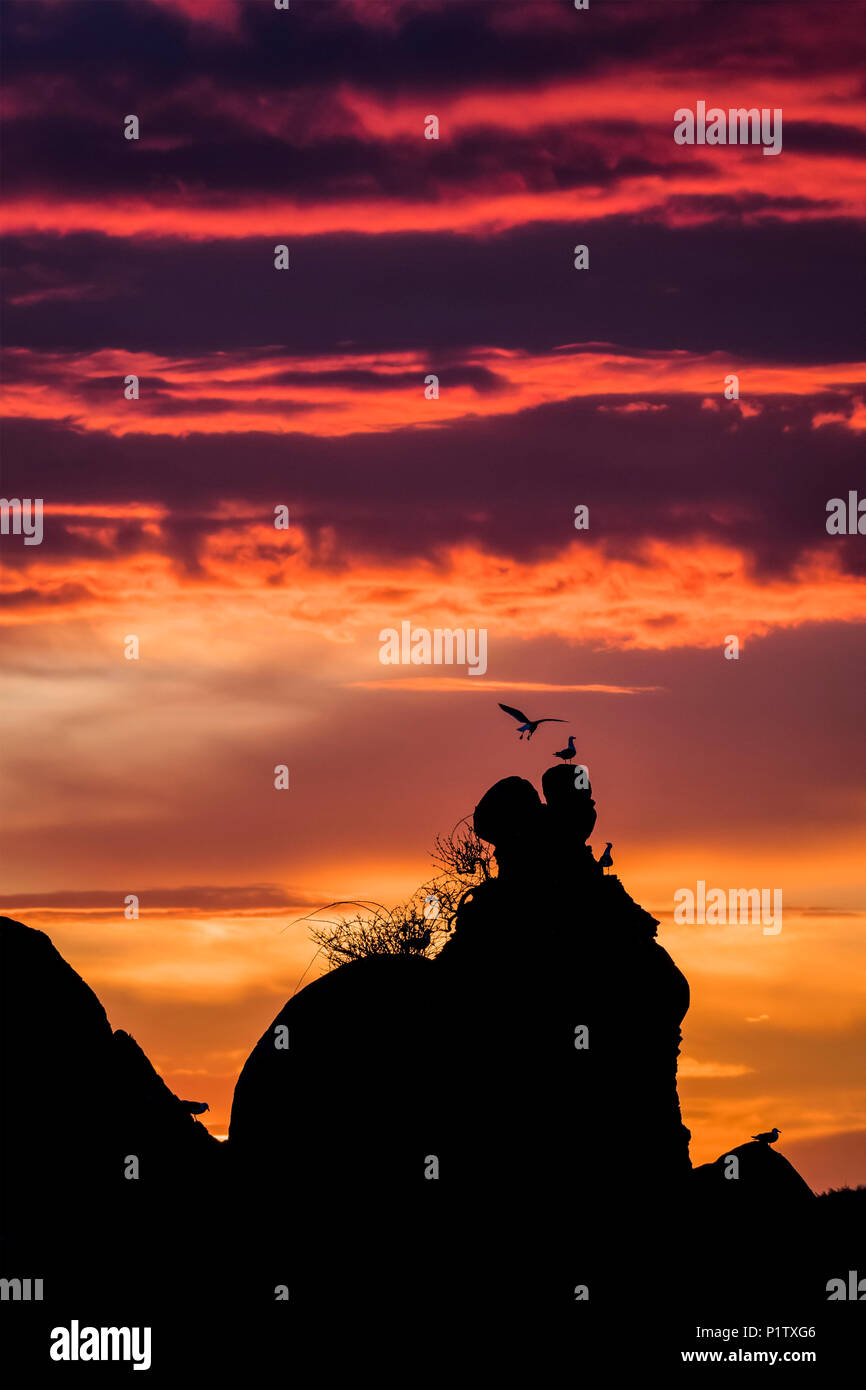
(419, 926)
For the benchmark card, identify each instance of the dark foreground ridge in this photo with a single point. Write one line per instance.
(491, 1134)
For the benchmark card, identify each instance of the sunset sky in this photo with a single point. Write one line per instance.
(558, 387)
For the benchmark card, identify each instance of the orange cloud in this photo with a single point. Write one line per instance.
(241, 395)
(669, 595)
(855, 419)
(454, 685)
(272, 221)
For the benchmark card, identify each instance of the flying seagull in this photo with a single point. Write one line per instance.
(569, 753)
(527, 725)
(606, 860)
(769, 1137)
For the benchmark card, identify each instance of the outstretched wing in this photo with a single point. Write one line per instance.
(516, 714)
(547, 721)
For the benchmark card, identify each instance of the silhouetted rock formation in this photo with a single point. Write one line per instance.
(487, 1130)
(56, 1082)
(359, 1033)
(600, 1031)
(77, 1100)
(760, 1184)
(334, 1115)
(548, 1024)
(757, 1235)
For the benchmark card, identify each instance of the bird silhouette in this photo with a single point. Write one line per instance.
(527, 725)
(768, 1137)
(606, 860)
(569, 753)
(195, 1107)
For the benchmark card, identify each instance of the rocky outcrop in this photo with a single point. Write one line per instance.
(752, 1180)
(457, 1091)
(78, 1100)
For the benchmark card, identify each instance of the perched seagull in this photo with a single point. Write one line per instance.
(569, 753)
(195, 1107)
(769, 1137)
(527, 725)
(606, 860)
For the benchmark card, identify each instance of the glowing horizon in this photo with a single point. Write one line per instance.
(558, 388)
